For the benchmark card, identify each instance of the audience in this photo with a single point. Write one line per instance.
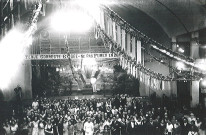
(119, 115)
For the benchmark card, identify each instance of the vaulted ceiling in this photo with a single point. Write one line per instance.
(176, 17)
(160, 19)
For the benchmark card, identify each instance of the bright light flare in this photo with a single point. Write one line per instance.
(181, 50)
(12, 51)
(89, 62)
(93, 80)
(92, 7)
(72, 20)
(180, 65)
(203, 83)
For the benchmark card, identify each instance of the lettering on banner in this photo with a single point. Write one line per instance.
(65, 56)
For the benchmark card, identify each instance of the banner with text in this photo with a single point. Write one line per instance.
(65, 56)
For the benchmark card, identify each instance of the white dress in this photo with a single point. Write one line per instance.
(41, 129)
(65, 128)
(35, 129)
(89, 128)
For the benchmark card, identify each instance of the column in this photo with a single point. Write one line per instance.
(194, 47)
(194, 53)
(173, 63)
(194, 92)
(174, 49)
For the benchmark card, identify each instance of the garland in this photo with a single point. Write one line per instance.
(109, 43)
(146, 40)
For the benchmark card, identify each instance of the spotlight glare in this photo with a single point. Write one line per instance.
(93, 80)
(181, 50)
(71, 21)
(89, 62)
(180, 65)
(12, 51)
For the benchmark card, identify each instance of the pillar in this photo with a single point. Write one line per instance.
(194, 53)
(194, 47)
(194, 92)
(173, 63)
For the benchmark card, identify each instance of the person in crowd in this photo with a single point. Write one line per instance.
(169, 127)
(65, 127)
(88, 127)
(132, 128)
(49, 128)
(35, 126)
(70, 128)
(115, 127)
(185, 127)
(79, 127)
(41, 127)
(118, 115)
(14, 127)
(7, 127)
(177, 128)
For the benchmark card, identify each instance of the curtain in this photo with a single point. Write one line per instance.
(138, 57)
(114, 31)
(123, 39)
(128, 44)
(119, 36)
(133, 48)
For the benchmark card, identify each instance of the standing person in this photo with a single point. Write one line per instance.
(79, 127)
(177, 128)
(18, 92)
(49, 128)
(115, 127)
(185, 127)
(14, 127)
(131, 129)
(169, 127)
(35, 126)
(41, 127)
(70, 128)
(89, 127)
(96, 127)
(7, 128)
(101, 128)
(65, 127)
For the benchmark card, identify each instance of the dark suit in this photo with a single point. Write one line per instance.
(131, 129)
(185, 128)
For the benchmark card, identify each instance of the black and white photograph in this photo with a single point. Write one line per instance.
(102, 67)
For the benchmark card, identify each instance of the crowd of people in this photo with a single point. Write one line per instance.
(119, 115)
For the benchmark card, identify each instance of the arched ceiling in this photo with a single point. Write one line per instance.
(160, 19)
(176, 17)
